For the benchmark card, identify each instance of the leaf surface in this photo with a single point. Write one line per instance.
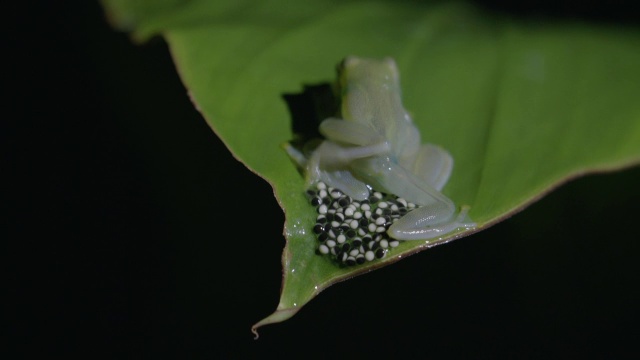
(522, 106)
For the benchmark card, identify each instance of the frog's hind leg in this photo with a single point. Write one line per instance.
(385, 175)
(432, 164)
(416, 225)
(436, 215)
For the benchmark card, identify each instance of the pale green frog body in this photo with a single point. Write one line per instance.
(377, 146)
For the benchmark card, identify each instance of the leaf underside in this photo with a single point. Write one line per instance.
(522, 106)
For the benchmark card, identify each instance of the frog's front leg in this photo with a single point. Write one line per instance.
(346, 142)
(330, 163)
(350, 133)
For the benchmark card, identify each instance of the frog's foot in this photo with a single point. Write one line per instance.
(412, 229)
(463, 220)
(296, 156)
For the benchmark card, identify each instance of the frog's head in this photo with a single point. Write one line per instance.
(359, 70)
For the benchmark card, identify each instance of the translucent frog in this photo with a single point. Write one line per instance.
(376, 146)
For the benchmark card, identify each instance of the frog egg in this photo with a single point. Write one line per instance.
(323, 249)
(335, 204)
(369, 255)
(374, 245)
(344, 201)
(354, 232)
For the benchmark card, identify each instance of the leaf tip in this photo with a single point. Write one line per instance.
(278, 316)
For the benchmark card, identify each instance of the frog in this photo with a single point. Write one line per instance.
(374, 144)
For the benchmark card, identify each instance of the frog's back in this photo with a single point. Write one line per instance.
(372, 96)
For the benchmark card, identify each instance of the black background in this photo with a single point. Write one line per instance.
(116, 190)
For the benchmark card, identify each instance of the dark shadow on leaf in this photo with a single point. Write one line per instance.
(307, 110)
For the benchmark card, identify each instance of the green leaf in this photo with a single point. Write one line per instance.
(522, 106)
